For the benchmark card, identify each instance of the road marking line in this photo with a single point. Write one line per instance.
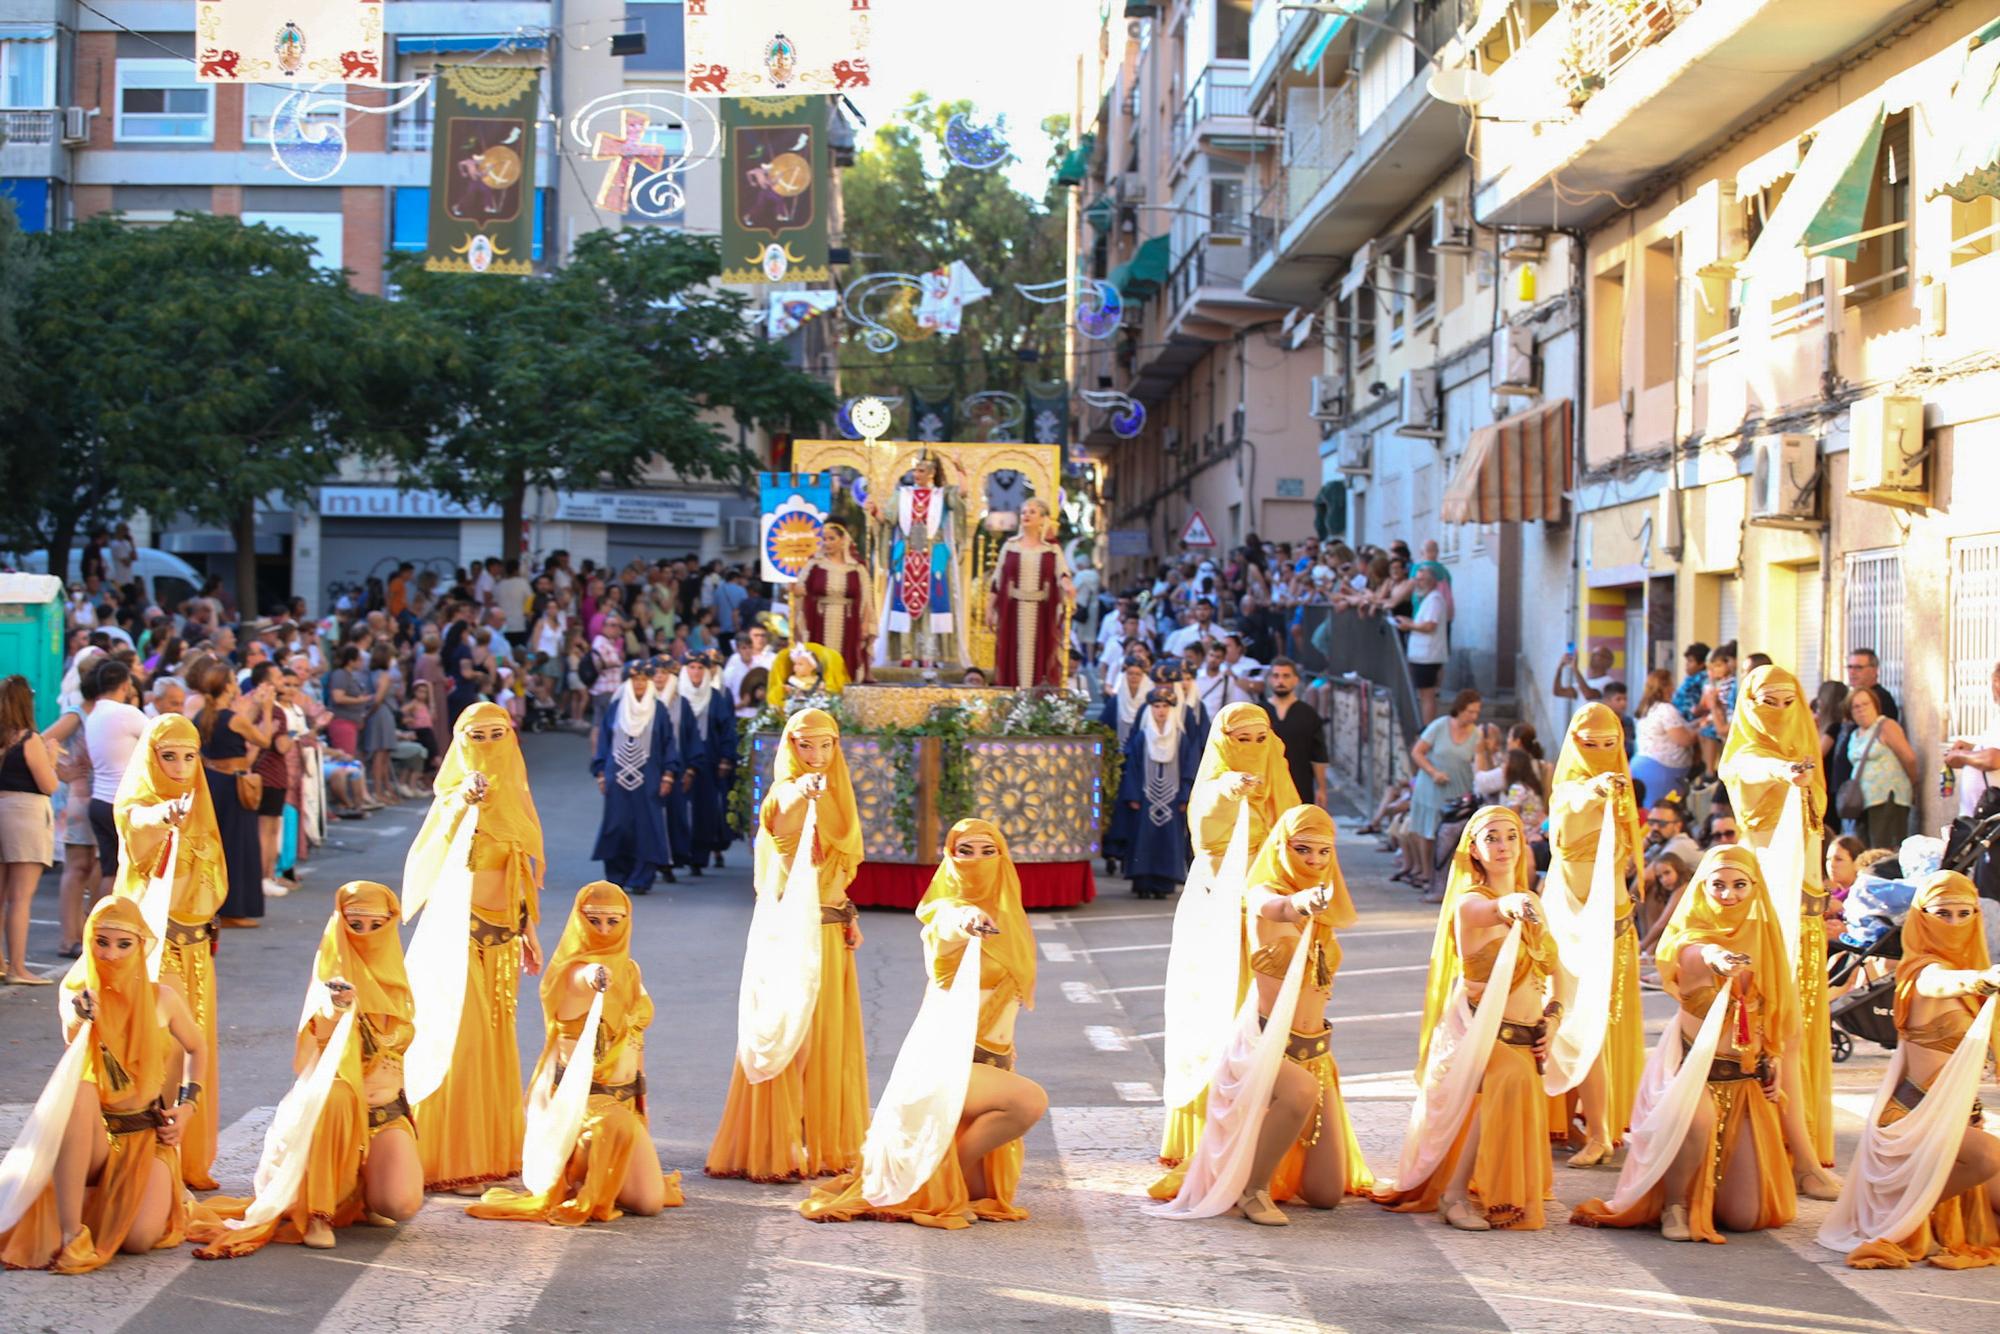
(1133, 1091)
(1043, 924)
(812, 1277)
(1081, 993)
(1377, 972)
(1371, 1018)
(1092, 919)
(1106, 1038)
(1126, 991)
(1117, 949)
(1147, 1037)
(1057, 952)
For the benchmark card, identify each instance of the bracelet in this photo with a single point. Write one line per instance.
(1553, 1010)
(189, 1093)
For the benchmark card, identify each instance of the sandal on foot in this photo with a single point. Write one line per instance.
(1461, 1215)
(1590, 1155)
(1256, 1206)
(1821, 1185)
(319, 1235)
(1674, 1223)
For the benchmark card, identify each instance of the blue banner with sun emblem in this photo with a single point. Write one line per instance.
(795, 504)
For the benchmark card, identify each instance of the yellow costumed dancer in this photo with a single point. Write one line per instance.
(1477, 1142)
(1592, 789)
(798, 1098)
(1242, 774)
(480, 854)
(956, 1069)
(1925, 1183)
(1276, 1124)
(1706, 1152)
(96, 1168)
(348, 1110)
(166, 825)
(1777, 787)
(587, 1130)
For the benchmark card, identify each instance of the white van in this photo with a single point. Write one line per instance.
(169, 580)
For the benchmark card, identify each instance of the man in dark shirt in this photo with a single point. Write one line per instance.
(1300, 727)
(1864, 668)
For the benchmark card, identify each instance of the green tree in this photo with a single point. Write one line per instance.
(626, 356)
(909, 209)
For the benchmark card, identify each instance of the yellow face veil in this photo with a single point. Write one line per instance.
(992, 884)
(582, 943)
(1786, 733)
(839, 818)
(1468, 877)
(1265, 759)
(372, 961)
(146, 784)
(1747, 927)
(1929, 940)
(130, 1060)
(1579, 763)
(1278, 867)
(508, 814)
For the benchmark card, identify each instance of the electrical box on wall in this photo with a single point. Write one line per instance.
(1885, 451)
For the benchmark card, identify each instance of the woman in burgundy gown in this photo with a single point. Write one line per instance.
(1031, 586)
(837, 606)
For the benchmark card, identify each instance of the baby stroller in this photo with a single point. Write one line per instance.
(1876, 908)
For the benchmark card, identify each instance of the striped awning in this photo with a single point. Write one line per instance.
(1514, 471)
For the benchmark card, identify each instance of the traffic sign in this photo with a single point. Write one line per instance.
(1196, 534)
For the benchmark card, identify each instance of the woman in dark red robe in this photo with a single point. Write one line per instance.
(1031, 586)
(837, 607)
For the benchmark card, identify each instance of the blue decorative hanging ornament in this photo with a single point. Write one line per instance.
(1099, 309)
(980, 147)
(308, 149)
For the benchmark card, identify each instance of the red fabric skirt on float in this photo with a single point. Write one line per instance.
(1043, 884)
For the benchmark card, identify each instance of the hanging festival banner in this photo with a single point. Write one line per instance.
(747, 48)
(789, 310)
(1048, 412)
(992, 416)
(483, 170)
(774, 190)
(650, 137)
(932, 414)
(313, 41)
(795, 505)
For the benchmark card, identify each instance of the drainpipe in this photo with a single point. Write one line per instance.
(1578, 272)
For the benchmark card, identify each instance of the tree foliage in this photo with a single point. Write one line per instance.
(587, 376)
(909, 209)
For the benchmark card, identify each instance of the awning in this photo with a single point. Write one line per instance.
(1969, 135)
(505, 41)
(1826, 199)
(28, 32)
(1314, 49)
(1098, 213)
(1146, 271)
(1514, 471)
(1076, 163)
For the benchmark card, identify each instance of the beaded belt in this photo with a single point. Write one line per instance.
(998, 1060)
(1908, 1095)
(838, 914)
(1306, 1048)
(631, 1092)
(131, 1123)
(1521, 1035)
(184, 933)
(389, 1111)
(1812, 905)
(1624, 926)
(486, 934)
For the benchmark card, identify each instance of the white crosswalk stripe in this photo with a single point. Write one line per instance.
(817, 1276)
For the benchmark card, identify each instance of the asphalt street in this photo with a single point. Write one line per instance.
(737, 1256)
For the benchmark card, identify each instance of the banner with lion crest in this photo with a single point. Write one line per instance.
(310, 41)
(755, 48)
(483, 170)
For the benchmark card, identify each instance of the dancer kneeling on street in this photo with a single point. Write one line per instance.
(956, 1069)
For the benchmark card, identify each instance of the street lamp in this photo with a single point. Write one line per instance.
(1461, 87)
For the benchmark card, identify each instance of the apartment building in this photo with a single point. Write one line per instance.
(1791, 413)
(1164, 195)
(102, 112)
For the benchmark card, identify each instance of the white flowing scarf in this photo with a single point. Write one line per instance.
(916, 1122)
(635, 711)
(697, 700)
(1585, 950)
(154, 903)
(1670, 1092)
(437, 958)
(25, 1172)
(1783, 861)
(281, 1169)
(1899, 1171)
(1202, 966)
(781, 959)
(1163, 743)
(556, 1110)
(1461, 1045)
(1130, 706)
(1239, 1095)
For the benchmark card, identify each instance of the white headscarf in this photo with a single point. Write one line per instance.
(1130, 706)
(697, 697)
(635, 712)
(70, 694)
(1163, 743)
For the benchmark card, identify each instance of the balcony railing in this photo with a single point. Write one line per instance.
(1314, 148)
(1217, 92)
(1219, 259)
(414, 136)
(1606, 35)
(33, 128)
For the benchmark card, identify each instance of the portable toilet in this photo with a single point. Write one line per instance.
(31, 637)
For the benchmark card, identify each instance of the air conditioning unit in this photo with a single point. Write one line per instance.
(1329, 398)
(76, 125)
(1522, 245)
(1170, 439)
(1419, 416)
(1784, 481)
(1449, 234)
(1885, 451)
(1354, 451)
(1357, 271)
(741, 532)
(1513, 370)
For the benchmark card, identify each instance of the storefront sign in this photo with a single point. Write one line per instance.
(645, 509)
(383, 502)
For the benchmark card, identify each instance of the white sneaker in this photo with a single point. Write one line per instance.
(276, 889)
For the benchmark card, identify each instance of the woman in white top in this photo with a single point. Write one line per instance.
(1666, 740)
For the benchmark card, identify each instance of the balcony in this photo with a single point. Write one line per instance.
(31, 143)
(1218, 106)
(1611, 93)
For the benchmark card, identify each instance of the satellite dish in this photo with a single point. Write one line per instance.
(1462, 87)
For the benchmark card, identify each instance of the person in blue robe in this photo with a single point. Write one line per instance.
(635, 766)
(1161, 757)
(708, 759)
(674, 805)
(1122, 710)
